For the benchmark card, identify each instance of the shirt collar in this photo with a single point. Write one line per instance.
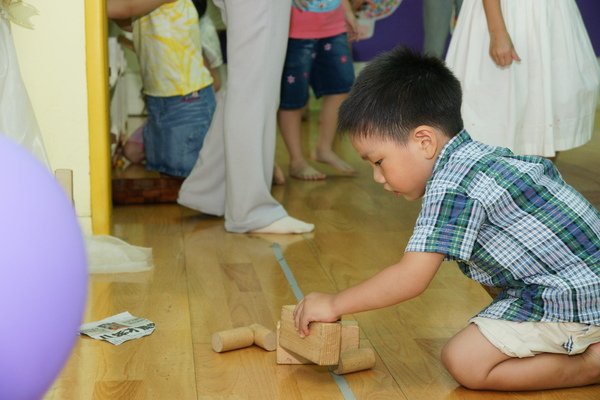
(457, 141)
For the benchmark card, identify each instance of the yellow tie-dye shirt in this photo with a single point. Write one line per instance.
(167, 42)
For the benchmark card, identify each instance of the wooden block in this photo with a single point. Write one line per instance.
(321, 346)
(287, 357)
(355, 360)
(264, 337)
(350, 336)
(232, 339)
(350, 340)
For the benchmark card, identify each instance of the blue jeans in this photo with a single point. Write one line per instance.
(175, 130)
(325, 64)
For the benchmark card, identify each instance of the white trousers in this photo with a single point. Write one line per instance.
(233, 174)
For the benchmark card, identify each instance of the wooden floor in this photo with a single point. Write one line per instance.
(207, 280)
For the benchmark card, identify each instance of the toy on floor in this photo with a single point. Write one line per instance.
(334, 344)
(246, 336)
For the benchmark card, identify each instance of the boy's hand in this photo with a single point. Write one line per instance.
(314, 307)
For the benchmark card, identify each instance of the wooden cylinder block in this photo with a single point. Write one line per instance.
(355, 360)
(232, 339)
(263, 337)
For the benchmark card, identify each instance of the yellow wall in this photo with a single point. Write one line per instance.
(52, 58)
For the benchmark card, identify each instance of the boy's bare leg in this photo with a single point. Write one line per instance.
(289, 124)
(476, 364)
(328, 119)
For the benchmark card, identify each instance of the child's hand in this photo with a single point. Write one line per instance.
(351, 22)
(314, 307)
(351, 26)
(502, 50)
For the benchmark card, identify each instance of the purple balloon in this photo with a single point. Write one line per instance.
(43, 275)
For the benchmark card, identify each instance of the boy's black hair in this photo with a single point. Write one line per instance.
(399, 91)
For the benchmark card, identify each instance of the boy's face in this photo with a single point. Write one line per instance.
(402, 169)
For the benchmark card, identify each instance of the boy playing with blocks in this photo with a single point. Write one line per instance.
(509, 221)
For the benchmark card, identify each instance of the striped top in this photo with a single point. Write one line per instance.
(512, 222)
(167, 43)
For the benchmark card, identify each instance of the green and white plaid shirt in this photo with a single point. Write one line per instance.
(512, 222)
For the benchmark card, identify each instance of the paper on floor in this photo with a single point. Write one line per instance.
(118, 328)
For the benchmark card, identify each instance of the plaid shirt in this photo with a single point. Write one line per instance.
(512, 222)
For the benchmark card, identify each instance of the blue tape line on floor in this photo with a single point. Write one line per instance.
(287, 271)
(340, 381)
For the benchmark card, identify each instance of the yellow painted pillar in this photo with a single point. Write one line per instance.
(98, 106)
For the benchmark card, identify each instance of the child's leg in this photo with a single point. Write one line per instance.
(133, 149)
(289, 124)
(328, 119)
(332, 78)
(476, 364)
(278, 176)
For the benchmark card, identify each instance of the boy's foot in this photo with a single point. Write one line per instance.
(286, 225)
(329, 157)
(306, 173)
(278, 176)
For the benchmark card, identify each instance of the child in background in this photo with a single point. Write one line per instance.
(318, 54)
(509, 221)
(177, 86)
(133, 149)
(529, 74)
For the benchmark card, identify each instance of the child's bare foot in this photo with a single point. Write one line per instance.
(287, 225)
(278, 176)
(305, 172)
(329, 157)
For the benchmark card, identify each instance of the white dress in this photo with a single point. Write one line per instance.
(17, 121)
(543, 104)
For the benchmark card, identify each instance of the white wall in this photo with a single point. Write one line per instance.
(53, 65)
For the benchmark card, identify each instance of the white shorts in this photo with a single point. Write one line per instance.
(526, 339)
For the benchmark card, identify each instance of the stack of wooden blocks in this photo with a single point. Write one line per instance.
(334, 344)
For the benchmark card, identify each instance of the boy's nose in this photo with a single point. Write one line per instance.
(378, 176)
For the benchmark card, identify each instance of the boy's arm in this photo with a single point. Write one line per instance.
(123, 9)
(502, 50)
(397, 283)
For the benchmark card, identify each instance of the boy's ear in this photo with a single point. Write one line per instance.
(426, 139)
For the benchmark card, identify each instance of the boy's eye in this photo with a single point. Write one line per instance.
(378, 162)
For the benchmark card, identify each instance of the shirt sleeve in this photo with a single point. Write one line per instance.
(448, 224)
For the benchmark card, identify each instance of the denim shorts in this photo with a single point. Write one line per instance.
(323, 64)
(175, 130)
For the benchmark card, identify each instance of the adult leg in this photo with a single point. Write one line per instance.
(290, 124)
(476, 364)
(436, 24)
(256, 41)
(204, 188)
